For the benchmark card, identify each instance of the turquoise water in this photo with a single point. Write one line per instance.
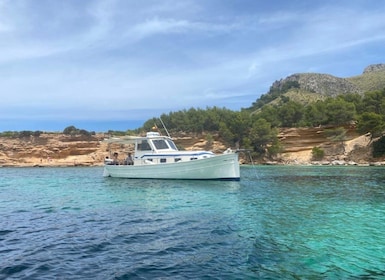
(278, 222)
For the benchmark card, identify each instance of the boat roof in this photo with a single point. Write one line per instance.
(134, 139)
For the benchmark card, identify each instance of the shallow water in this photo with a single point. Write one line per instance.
(278, 222)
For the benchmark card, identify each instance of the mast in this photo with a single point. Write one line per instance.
(168, 134)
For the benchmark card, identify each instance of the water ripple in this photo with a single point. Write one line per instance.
(289, 223)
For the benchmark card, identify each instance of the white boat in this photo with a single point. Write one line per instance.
(157, 157)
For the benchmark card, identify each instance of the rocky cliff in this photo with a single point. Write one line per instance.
(54, 149)
(305, 87)
(321, 84)
(50, 149)
(61, 150)
(374, 68)
(298, 144)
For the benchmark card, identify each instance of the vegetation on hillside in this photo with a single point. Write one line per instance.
(369, 81)
(73, 131)
(24, 134)
(257, 130)
(274, 93)
(300, 100)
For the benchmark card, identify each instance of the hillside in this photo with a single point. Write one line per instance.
(373, 78)
(310, 87)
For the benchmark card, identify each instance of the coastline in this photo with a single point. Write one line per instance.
(59, 150)
(64, 164)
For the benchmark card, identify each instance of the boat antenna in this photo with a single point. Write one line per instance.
(168, 134)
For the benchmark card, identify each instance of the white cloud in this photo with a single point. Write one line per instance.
(155, 26)
(127, 56)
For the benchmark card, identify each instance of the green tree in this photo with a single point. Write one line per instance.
(374, 102)
(70, 130)
(379, 147)
(290, 113)
(261, 134)
(339, 111)
(275, 148)
(354, 98)
(270, 114)
(317, 153)
(315, 114)
(371, 122)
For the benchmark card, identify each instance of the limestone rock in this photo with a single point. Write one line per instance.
(374, 68)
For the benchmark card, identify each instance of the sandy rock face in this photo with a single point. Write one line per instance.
(51, 149)
(55, 149)
(299, 142)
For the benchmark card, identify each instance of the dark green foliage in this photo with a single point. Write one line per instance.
(317, 153)
(289, 85)
(24, 134)
(261, 134)
(270, 114)
(370, 122)
(192, 120)
(315, 114)
(72, 130)
(379, 147)
(257, 129)
(374, 101)
(372, 113)
(290, 114)
(274, 93)
(209, 141)
(339, 111)
(8, 134)
(354, 98)
(275, 147)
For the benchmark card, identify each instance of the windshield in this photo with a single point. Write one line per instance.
(160, 144)
(144, 146)
(172, 145)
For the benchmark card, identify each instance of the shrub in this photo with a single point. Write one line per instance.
(379, 147)
(317, 153)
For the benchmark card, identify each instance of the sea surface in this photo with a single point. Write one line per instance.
(278, 222)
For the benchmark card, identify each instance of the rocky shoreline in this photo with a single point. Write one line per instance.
(59, 150)
(328, 163)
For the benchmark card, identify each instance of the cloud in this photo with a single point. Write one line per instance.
(115, 59)
(158, 26)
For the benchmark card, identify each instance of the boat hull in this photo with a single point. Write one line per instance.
(220, 167)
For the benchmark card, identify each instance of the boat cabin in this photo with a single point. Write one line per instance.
(157, 149)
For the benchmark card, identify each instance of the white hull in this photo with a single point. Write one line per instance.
(219, 167)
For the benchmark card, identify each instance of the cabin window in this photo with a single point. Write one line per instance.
(171, 144)
(193, 158)
(160, 144)
(163, 160)
(144, 146)
(177, 159)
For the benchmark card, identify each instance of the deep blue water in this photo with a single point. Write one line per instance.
(278, 222)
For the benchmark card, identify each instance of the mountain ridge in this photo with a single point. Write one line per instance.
(310, 87)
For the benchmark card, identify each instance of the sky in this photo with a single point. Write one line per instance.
(113, 64)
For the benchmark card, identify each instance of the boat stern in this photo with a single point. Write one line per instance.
(106, 173)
